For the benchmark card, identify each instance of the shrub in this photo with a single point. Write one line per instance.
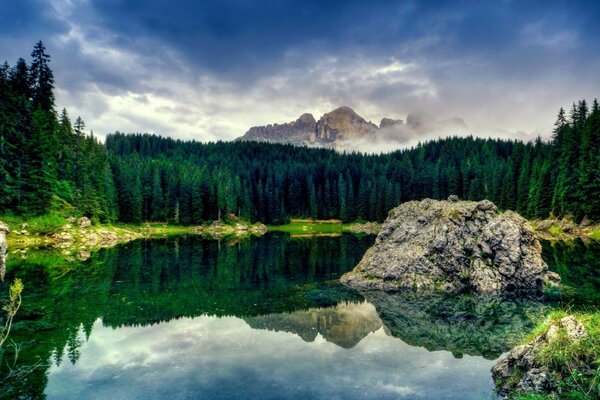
(46, 224)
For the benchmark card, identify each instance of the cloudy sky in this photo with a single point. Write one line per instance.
(211, 69)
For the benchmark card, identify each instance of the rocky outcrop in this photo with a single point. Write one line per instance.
(390, 123)
(453, 246)
(4, 229)
(520, 372)
(344, 129)
(297, 132)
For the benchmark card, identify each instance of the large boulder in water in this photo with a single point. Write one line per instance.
(454, 246)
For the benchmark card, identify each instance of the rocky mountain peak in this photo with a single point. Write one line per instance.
(344, 129)
(307, 119)
(390, 123)
(341, 124)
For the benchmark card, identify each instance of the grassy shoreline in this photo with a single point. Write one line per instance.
(58, 231)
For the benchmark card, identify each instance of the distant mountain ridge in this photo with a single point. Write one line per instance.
(344, 129)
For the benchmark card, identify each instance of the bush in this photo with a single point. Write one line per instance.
(46, 224)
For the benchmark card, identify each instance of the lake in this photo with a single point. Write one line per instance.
(262, 318)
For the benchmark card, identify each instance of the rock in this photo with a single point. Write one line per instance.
(84, 222)
(390, 123)
(63, 237)
(296, 132)
(241, 229)
(568, 226)
(552, 279)
(259, 228)
(453, 246)
(71, 220)
(4, 229)
(536, 380)
(342, 124)
(575, 329)
(453, 198)
(519, 370)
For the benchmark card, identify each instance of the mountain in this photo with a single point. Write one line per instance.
(343, 129)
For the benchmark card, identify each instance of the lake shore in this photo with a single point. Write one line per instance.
(58, 232)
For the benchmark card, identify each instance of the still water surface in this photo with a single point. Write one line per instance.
(186, 318)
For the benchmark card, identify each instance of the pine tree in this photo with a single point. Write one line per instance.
(41, 79)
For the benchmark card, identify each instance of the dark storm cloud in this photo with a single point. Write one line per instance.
(24, 17)
(234, 63)
(246, 39)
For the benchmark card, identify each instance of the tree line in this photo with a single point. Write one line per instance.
(47, 162)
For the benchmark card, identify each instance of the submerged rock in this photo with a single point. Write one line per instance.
(4, 229)
(454, 246)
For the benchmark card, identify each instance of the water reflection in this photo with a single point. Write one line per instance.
(263, 318)
(476, 325)
(345, 325)
(224, 358)
(578, 264)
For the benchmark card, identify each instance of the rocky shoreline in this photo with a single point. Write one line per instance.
(525, 369)
(80, 235)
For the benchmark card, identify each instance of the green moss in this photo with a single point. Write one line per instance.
(555, 231)
(595, 234)
(454, 213)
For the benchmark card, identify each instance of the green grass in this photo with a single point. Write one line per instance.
(533, 396)
(42, 225)
(566, 357)
(555, 231)
(302, 227)
(595, 234)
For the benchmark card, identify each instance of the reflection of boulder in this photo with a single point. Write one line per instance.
(473, 325)
(345, 324)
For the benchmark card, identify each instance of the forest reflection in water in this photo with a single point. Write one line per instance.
(261, 318)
